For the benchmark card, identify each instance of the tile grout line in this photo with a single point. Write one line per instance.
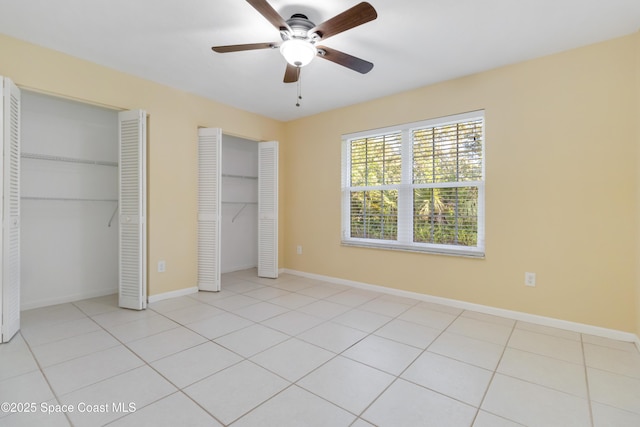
(291, 383)
(336, 355)
(586, 379)
(55, 395)
(493, 374)
(138, 367)
(181, 389)
(397, 377)
(178, 389)
(75, 358)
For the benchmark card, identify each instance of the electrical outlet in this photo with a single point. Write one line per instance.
(529, 279)
(299, 249)
(162, 266)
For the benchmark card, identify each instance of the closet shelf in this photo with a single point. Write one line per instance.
(68, 199)
(67, 159)
(226, 175)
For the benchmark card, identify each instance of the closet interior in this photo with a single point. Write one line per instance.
(239, 204)
(69, 200)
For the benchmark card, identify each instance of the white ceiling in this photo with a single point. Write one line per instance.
(413, 43)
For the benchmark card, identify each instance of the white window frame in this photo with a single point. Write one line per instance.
(405, 191)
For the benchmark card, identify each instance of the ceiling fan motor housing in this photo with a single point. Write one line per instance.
(300, 26)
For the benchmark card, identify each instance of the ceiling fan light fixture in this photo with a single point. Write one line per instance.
(298, 52)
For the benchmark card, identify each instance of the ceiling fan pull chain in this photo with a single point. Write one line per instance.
(299, 88)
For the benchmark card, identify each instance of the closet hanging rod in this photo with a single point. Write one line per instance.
(49, 157)
(68, 199)
(239, 203)
(227, 175)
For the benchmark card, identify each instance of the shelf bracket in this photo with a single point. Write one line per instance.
(113, 214)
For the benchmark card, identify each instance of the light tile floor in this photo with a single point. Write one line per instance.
(300, 352)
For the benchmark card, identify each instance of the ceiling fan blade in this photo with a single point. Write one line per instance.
(350, 18)
(270, 14)
(291, 74)
(241, 47)
(346, 60)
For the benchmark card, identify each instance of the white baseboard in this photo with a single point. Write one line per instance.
(515, 315)
(66, 298)
(172, 294)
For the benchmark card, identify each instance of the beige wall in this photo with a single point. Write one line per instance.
(174, 118)
(561, 188)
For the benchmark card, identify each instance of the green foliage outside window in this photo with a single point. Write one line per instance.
(443, 159)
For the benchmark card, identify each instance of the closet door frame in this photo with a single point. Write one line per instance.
(209, 210)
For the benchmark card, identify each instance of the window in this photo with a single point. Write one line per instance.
(417, 187)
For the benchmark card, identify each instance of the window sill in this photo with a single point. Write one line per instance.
(444, 250)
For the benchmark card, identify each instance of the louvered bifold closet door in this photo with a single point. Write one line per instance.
(10, 128)
(133, 211)
(268, 209)
(209, 177)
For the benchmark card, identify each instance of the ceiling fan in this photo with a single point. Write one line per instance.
(300, 38)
